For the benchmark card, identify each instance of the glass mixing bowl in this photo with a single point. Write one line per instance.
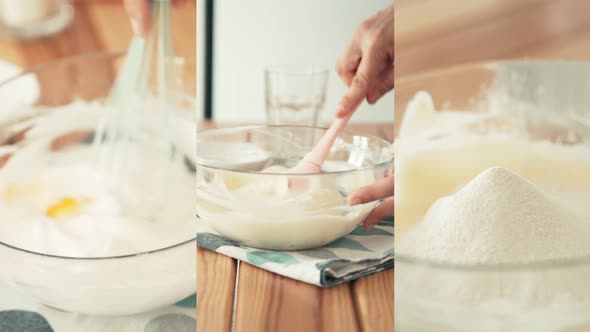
(257, 209)
(540, 296)
(123, 284)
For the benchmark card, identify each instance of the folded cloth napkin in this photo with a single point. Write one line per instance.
(19, 312)
(356, 255)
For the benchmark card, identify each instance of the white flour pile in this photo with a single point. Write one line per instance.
(499, 217)
(462, 145)
(470, 221)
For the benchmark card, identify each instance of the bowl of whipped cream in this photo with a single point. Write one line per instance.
(80, 237)
(245, 187)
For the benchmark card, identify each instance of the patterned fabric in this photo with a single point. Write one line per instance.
(20, 313)
(356, 255)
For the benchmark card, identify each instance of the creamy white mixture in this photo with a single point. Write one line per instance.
(500, 217)
(437, 152)
(60, 203)
(497, 218)
(261, 211)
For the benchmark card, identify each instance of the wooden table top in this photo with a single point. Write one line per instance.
(232, 293)
(237, 296)
(433, 33)
(99, 25)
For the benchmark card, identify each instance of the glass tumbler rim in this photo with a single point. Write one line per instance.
(293, 69)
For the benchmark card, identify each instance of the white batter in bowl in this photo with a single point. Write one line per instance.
(251, 203)
(80, 238)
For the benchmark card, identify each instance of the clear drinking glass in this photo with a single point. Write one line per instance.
(295, 94)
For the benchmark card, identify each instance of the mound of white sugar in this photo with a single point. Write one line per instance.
(499, 217)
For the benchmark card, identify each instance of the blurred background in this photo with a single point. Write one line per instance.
(432, 34)
(243, 37)
(94, 26)
(435, 34)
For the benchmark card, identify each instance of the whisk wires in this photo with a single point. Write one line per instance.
(121, 127)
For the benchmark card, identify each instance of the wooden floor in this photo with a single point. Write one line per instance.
(438, 33)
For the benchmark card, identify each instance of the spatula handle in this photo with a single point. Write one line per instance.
(318, 155)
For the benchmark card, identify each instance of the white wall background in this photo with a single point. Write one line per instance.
(251, 34)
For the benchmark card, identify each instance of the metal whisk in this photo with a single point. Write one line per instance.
(120, 129)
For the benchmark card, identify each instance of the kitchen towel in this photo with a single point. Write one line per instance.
(19, 313)
(358, 254)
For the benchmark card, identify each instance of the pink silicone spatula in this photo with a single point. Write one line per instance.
(313, 161)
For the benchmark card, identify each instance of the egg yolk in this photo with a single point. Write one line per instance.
(65, 207)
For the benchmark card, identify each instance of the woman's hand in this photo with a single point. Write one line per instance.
(382, 189)
(366, 66)
(139, 13)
